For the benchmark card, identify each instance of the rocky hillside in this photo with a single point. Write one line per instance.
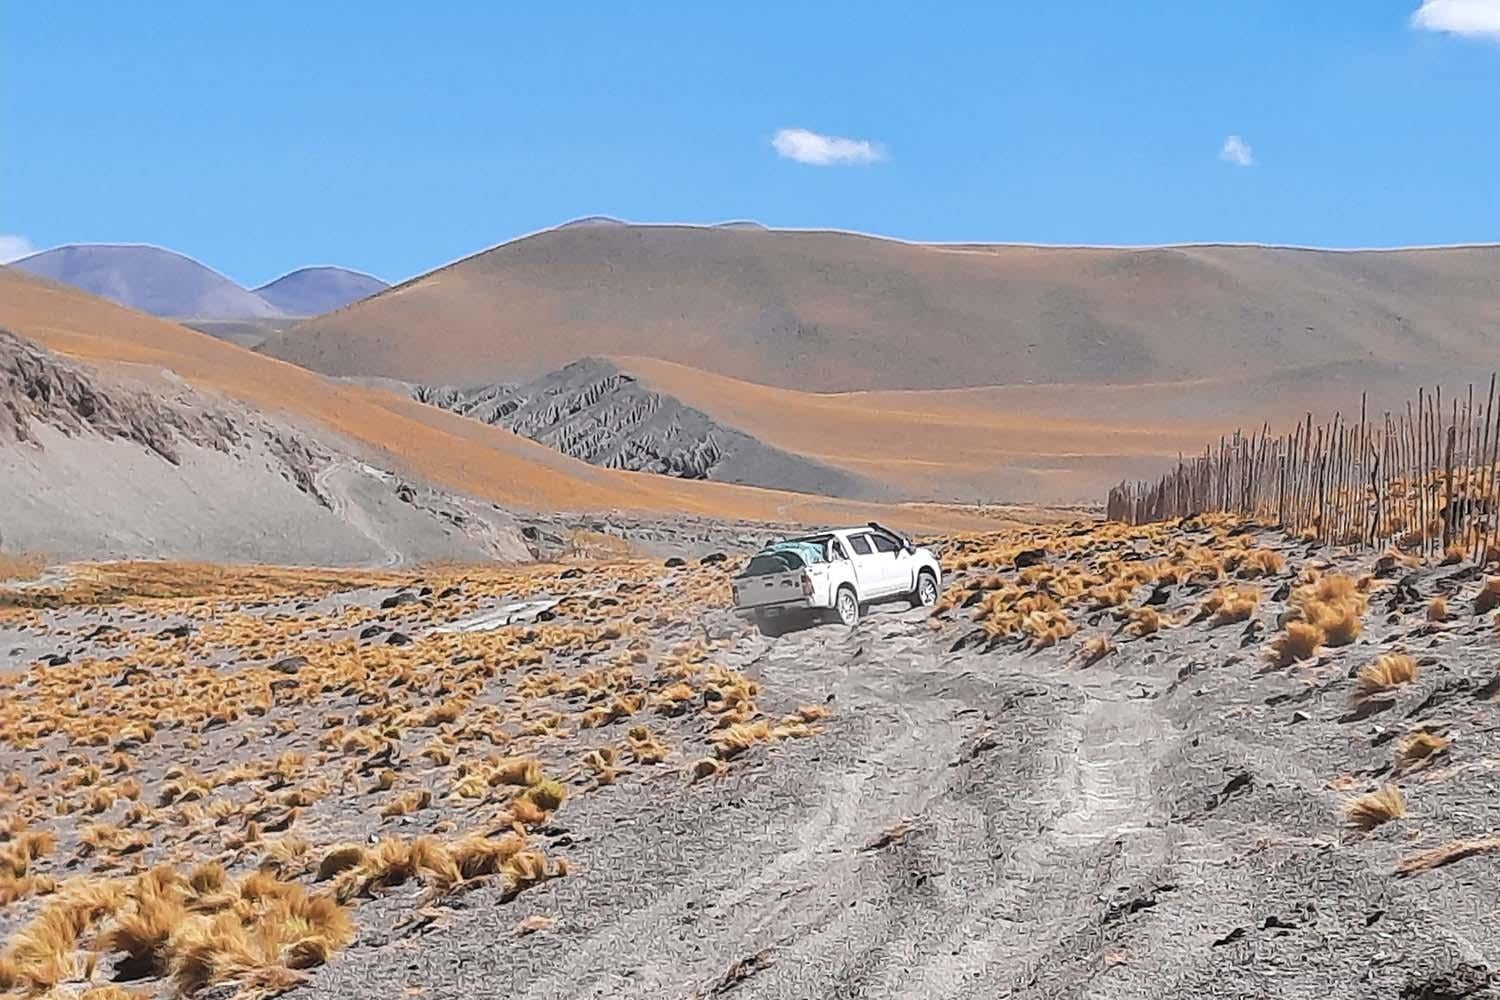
(595, 411)
(96, 466)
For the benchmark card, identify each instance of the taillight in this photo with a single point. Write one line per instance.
(806, 585)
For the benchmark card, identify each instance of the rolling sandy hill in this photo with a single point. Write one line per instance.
(1043, 444)
(823, 311)
(349, 426)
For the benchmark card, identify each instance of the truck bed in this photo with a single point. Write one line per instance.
(769, 590)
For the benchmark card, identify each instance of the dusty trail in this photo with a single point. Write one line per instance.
(330, 482)
(953, 835)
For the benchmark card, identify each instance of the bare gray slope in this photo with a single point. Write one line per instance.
(594, 411)
(96, 468)
(827, 311)
(152, 279)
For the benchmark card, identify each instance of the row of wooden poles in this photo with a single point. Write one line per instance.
(1423, 479)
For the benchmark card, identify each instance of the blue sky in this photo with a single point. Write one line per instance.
(394, 137)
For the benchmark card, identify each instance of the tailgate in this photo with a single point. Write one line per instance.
(773, 588)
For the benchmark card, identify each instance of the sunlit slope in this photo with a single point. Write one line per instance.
(422, 441)
(821, 311)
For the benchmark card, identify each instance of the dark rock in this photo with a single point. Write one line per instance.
(675, 562)
(371, 631)
(1463, 980)
(1230, 938)
(1030, 557)
(712, 558)
(289, 664)
(397, 639)
(58, 659)
(1365, 709)
(398, 599)
(450, 592)
(175, 632)
(570, 574)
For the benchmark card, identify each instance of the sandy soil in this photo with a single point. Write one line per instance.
(980, 813)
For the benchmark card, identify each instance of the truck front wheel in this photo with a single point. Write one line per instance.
(847, 606)
(926, 594)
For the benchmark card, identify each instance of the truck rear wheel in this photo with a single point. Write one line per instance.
(771, 626)
(847, 606)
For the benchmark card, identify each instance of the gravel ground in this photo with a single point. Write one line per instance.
(982, 820)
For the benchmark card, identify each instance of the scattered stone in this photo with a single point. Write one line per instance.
(289, 664)
(1030, 557)
(371, 631)
(398, 639)
(397, 600)
(1462, 981)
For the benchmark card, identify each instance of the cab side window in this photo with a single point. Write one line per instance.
(884, 543)
(836, 551)
(860, 544)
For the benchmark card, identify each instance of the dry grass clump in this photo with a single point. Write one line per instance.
(1366, 812)
(1437, 609)
(1418, 748)
(1336, 604)
(1390, 670)
(1230, 604)
(1146, 621)
(1447, 854)
(1258, 563)
(1300, 641)
(1094, 649)
(1488, 597)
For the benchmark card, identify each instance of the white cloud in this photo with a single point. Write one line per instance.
(824, 150)
(1460, 17)
(14, 248)
(1237, 151)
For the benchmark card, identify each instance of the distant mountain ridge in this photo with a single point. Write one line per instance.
(309, 291)
(166, 283)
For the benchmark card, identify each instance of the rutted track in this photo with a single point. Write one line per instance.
(1012, 793)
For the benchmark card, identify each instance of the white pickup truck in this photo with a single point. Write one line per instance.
(840, 571)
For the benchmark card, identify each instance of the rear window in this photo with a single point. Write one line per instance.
(772, 562)
(884, 543)
(861, 544)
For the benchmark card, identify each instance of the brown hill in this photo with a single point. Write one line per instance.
(824, 311)
(1053, 443)
(126, 355)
